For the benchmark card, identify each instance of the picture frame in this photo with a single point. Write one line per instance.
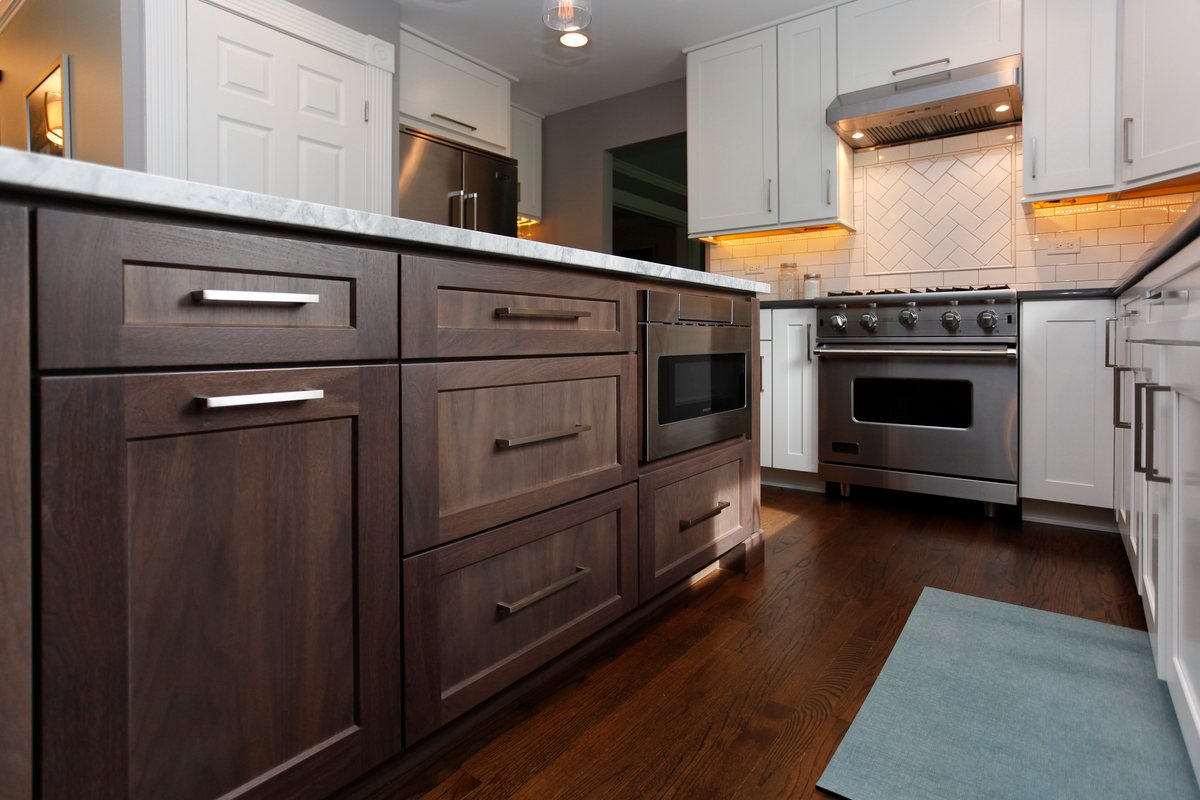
(48, 124)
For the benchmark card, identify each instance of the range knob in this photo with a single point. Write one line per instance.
(868, 321)
(838, 321)
(951, 320)
(908, 317)
(988, 320)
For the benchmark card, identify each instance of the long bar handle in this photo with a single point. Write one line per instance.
(768, 195)
(254, 298)
(762, 366)
(510, 312)
(1117, 422)
(1110, 324)
(1033, 158)
(466, 125)
(1126, 137)
(684, 524)
(860, 352)
(945, 61)
(462, 207)
(1139, 465)
(236, 400)
(505, 444)
(473, 198)
(828, 187)
(508, 609)
(1151, 472)
(808, 341)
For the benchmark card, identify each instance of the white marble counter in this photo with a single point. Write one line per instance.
(20, 170)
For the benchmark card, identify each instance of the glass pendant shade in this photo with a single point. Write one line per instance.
(567, 15)
(54, 117)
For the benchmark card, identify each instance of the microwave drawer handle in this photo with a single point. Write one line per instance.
(505, 444)
(269, 398)
(684, 524)
(913, 352)
(508, 609)
(254, 298)
(508, 312)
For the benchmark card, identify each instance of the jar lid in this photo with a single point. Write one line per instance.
(812, 275)
(789, 265)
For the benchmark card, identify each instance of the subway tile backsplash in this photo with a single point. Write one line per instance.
(921, 212)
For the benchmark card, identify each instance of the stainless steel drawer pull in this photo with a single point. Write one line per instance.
(945, 61)
(508, 609)
(254, 298)
(508, 312)
(1117, 421)
(504, 444)
(235, 400)
(466, 125)
(1139, 464)
(1110, 334)
(684, 524)
(1152, 472)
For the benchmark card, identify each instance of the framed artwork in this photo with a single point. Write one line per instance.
(48, 111)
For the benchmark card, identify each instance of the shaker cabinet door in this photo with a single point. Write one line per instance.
(220, 582)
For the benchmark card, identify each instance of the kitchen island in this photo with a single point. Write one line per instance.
(300, 487)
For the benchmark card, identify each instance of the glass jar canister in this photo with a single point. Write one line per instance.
(812, 285)
(790, 285)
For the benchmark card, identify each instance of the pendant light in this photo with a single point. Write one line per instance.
(567, 15)
(54, 117)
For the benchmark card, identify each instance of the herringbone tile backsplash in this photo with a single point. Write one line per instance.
(948, 213)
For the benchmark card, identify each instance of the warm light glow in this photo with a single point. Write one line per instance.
(525, 222)
(54, 117)
(573, 39)
(1000, 109)
(857, 135)
(567, 15)
(1009, 137)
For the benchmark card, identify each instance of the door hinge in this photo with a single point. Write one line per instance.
(366, 111)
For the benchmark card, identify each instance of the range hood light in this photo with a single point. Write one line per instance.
(856, 135)
(1000, 109)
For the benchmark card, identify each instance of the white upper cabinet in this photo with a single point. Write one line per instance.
(1159, 64)
(732, 135)
(815, 182)
(883, 41)
(527, 150)
(1070, 95)
(445, 93)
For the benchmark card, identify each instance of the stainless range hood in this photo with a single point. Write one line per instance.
(944, 104)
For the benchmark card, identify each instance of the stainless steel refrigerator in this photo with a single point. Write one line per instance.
(450, 184)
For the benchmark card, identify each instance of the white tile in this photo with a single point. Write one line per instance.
(1099, 219)
(1035, 274)
(1121, 235)
(921, 149)
(968, 141)
(1144, 216)
(1077, 272)
(1110, 252)
(1132, 252)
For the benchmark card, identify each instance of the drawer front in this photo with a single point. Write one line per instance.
(691, 513)
(122, 293)
(488, 442)
(457, 309)
(481, 613)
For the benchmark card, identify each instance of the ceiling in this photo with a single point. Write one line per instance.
(635, 43)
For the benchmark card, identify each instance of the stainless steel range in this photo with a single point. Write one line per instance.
(918, 391)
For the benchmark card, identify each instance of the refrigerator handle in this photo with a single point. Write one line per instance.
(462, 208)
(474, 198)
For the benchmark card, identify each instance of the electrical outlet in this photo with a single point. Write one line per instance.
(1062, 247)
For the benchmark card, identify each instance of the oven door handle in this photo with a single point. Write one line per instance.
(914, 352)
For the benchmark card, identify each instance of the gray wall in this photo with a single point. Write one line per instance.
(576, 206)
(90, 32)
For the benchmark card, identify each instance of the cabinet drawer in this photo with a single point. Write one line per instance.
(691, 513)
(487, 442)
(481, 613)
(122, 293)
(456, 309)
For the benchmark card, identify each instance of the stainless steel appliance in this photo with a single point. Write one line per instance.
(451, 184)
(918, 391)
(695, 359)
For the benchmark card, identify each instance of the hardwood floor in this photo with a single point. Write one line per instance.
(743, 686)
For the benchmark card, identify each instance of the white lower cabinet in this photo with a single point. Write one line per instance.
(1066, 403)
(765, 368)
(794, 389)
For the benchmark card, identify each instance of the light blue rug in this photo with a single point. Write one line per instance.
(981, 699)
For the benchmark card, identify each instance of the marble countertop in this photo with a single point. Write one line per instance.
(21, 171)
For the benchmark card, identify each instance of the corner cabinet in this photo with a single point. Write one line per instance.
(883, 41)
(527, 150)
(794, 385)
(1070, 89)
(732, 142)
(1066, 403)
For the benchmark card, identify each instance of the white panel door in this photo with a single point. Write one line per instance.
(732, 141)
(765, 424)
(1160, 59)
(815, 182)
(794, 389)
(527, 150)
(270, 113)
(883, 41)
(1066, 403)
(1070, 95)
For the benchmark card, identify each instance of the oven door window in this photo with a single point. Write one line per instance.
(699, 385)
(923, 403)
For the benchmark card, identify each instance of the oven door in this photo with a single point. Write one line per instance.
(939, 411)
(697, 380)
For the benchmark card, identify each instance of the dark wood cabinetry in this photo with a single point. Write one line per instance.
(483, 612)
(121, 293)
(220, 609)
(692, 512)
(486, 442)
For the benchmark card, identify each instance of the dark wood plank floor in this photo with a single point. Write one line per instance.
(743, 686)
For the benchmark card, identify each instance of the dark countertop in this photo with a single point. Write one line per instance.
(1067, 294)
(767, 304)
